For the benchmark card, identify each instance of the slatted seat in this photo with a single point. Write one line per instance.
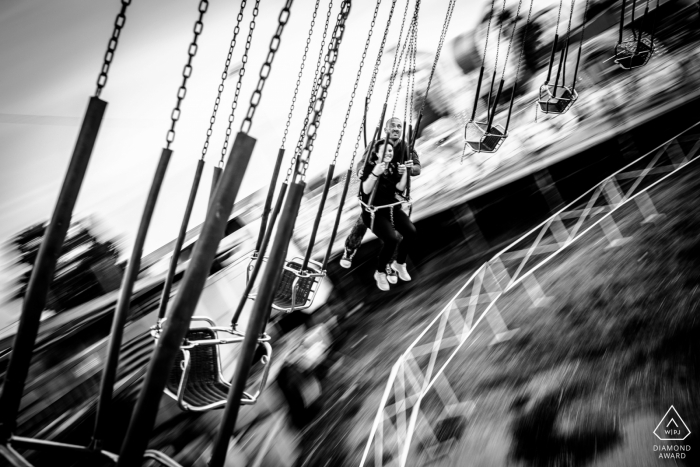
(634, 53)
(196, 381)
(556, 99)
(297, 289)
(480, 140)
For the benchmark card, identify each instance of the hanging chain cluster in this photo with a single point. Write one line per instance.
(299, 75)
(411, 81)
(373, 80)
(445, 26)
(314, 89)
(186, 72)
(522, 47)
(357, 82)
(405, 50)
(239, 83)
(224, 75)
(396, 63)
(266, 67)
(112, 47)
(325, 82)
(571, 18)
(512, 36)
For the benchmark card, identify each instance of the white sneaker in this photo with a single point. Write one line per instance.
(382, 283)
(401, 271)
(346, 260)
(391, 276)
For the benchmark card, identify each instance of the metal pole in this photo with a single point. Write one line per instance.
(556, 80)
(214, 182)
(165, 296)
(258, 263)
(178, 322)
(104, 403)
(334, 232)
(319, 214)
(495, 104)
(622, 19)
(263, 302)
(268, 200)
(476, 96)
(551, 58)
(44, 267)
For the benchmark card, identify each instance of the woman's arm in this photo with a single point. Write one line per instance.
(371, 180)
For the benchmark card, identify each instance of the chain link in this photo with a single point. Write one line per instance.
(522, 48)
(394, 65)
(299, 75)
(512, 36)
(407, 111)
(556, 29)
(186, 71)
(354, 88)
(267, 67)
(375, 72)
(224, 75)
(405, 50)
(445, 26)
(571, 18)
(239, 82)
(112, 47)
(325, 82)
(314, 90)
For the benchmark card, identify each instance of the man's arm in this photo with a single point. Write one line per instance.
(416, 169)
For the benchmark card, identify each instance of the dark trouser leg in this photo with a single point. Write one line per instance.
(384, 232)
(405, 227)
(359, 230)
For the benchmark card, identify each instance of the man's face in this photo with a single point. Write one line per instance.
(393, 127)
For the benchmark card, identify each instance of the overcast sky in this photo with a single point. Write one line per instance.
(52, 51)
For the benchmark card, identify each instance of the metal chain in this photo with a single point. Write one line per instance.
(224, 75)
(445, 26)
(498, 38)
(312, 98)
(322, 93)
(299, 75)
(522, 47)
(394, 66)
(239, 83)
(186, 72)
(571, 18)
(407, 111)
(375, 72)
(488, 30)
(357, 82)
(112, 47)
(266, 67)
(413, 79)
(556, 29)
(406, 49)
(512, 37)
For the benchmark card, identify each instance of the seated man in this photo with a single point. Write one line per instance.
(385, 175)
(394, 127)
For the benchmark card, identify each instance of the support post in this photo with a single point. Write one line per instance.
(319, 214)
(268, 200)
(44, 267)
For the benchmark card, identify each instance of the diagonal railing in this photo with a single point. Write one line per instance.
(419, 372)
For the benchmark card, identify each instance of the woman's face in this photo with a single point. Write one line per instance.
(389, 155)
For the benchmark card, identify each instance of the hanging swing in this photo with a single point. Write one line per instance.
(301, 277)
(195, 381)
(635, 51)
(556, 98)
(484, 136)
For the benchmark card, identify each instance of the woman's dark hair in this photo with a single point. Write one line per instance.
(374, 156)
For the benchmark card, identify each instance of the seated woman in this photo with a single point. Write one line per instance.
(389, 177)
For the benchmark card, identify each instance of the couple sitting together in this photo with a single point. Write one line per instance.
(390, 176)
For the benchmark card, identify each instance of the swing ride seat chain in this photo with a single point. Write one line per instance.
(354, 88)
(299, 75)
(325, 82)
(112, 47)
(397, 60)
(239, 83)
(450, 10)
(314, 90)
(186, 71)
(224, 75)
(266, 67)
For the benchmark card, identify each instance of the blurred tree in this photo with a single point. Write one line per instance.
(86, 268)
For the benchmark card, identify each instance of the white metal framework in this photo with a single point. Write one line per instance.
(418, 375)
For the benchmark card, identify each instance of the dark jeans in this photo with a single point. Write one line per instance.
(390, 235)
(356, 235)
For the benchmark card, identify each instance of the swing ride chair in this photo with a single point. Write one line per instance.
(482, 138)
(196, 381)
(556, 99)
(297, 288)
(634, 52)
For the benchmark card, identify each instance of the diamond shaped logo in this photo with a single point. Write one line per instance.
(672, 427)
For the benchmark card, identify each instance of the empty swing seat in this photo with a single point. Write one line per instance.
(297, 289)
(556, 99)
(196, 381)
(634, 53)
(480, 140)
